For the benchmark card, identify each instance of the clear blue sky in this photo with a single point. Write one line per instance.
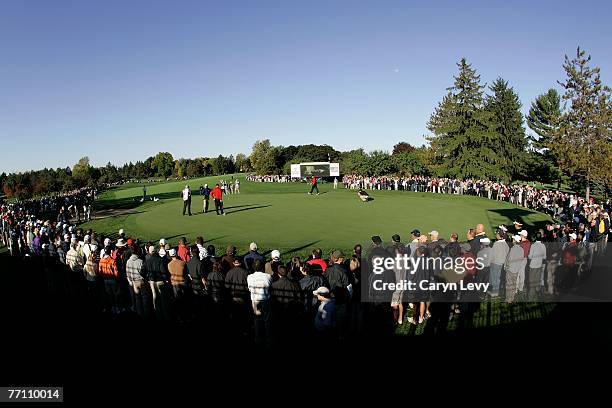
(122, 80)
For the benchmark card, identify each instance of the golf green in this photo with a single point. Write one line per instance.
(283, 216)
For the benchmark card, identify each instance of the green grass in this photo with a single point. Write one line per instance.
(284, 216)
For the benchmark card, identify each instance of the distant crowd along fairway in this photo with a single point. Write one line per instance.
(283, 216)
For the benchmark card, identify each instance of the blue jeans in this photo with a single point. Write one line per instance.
(494, 277)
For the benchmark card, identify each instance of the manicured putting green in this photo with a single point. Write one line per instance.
(284, 216)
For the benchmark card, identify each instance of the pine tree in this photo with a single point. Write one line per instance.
(543, 119)
(583, 141)
(464, 141)
(505, 107)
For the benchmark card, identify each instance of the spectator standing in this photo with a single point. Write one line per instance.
(259, 284)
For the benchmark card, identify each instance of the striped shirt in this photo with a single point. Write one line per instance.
(108, 268)
(74, 261)
(178, 271)
(259, 286)
(134, 269)
(91, 267)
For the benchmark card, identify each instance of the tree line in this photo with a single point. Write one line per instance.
(161, 166)
(475, 132)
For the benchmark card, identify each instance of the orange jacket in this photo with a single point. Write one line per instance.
(107, 268)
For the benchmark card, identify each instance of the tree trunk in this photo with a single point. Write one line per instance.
(588, 191)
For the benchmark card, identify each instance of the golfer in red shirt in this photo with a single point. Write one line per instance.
(313, 185)
(217, 195)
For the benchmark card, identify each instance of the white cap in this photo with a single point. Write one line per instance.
(573, 236)
(275, 255)
(253, 246)
(434, 232)
(517, 223)
(485, 241)
(121, 231)
(323, 291)
(107, 242)
(523, 233)
(162, 241)
(172, 252)
(516, 238)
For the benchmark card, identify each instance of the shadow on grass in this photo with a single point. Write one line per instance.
(293, 250)
(247, 208)
(517, 214)
(129, 203)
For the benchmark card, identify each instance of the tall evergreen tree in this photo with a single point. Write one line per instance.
(505, 107)
(583, 141)
(543, 119)
(463, 140)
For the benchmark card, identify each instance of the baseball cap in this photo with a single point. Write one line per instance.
(121, 231)
(120, 243)
(162, 241)
(275, 255)
(376, 239)
(517, 223)
(485, 241)
(172, 252)
(253, 246)
(416, 232)
(434, 232)
(573, 236)
(523, 233)
(396, 238)
(322, 291)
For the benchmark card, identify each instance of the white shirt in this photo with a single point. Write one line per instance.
(537, 254)
(259, 286)
(185, 194)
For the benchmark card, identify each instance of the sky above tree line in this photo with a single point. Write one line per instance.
(120, 81)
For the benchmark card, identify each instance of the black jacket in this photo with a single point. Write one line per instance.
(286, 292)
(196, 272)
(156, 268)
(215, 286)
(236, 282)
(338, 279)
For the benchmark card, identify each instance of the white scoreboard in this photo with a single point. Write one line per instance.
(317, 169)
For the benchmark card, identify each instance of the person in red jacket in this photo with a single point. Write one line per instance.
(217, 195)
(313, 185)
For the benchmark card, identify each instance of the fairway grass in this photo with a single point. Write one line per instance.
(283, 216)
